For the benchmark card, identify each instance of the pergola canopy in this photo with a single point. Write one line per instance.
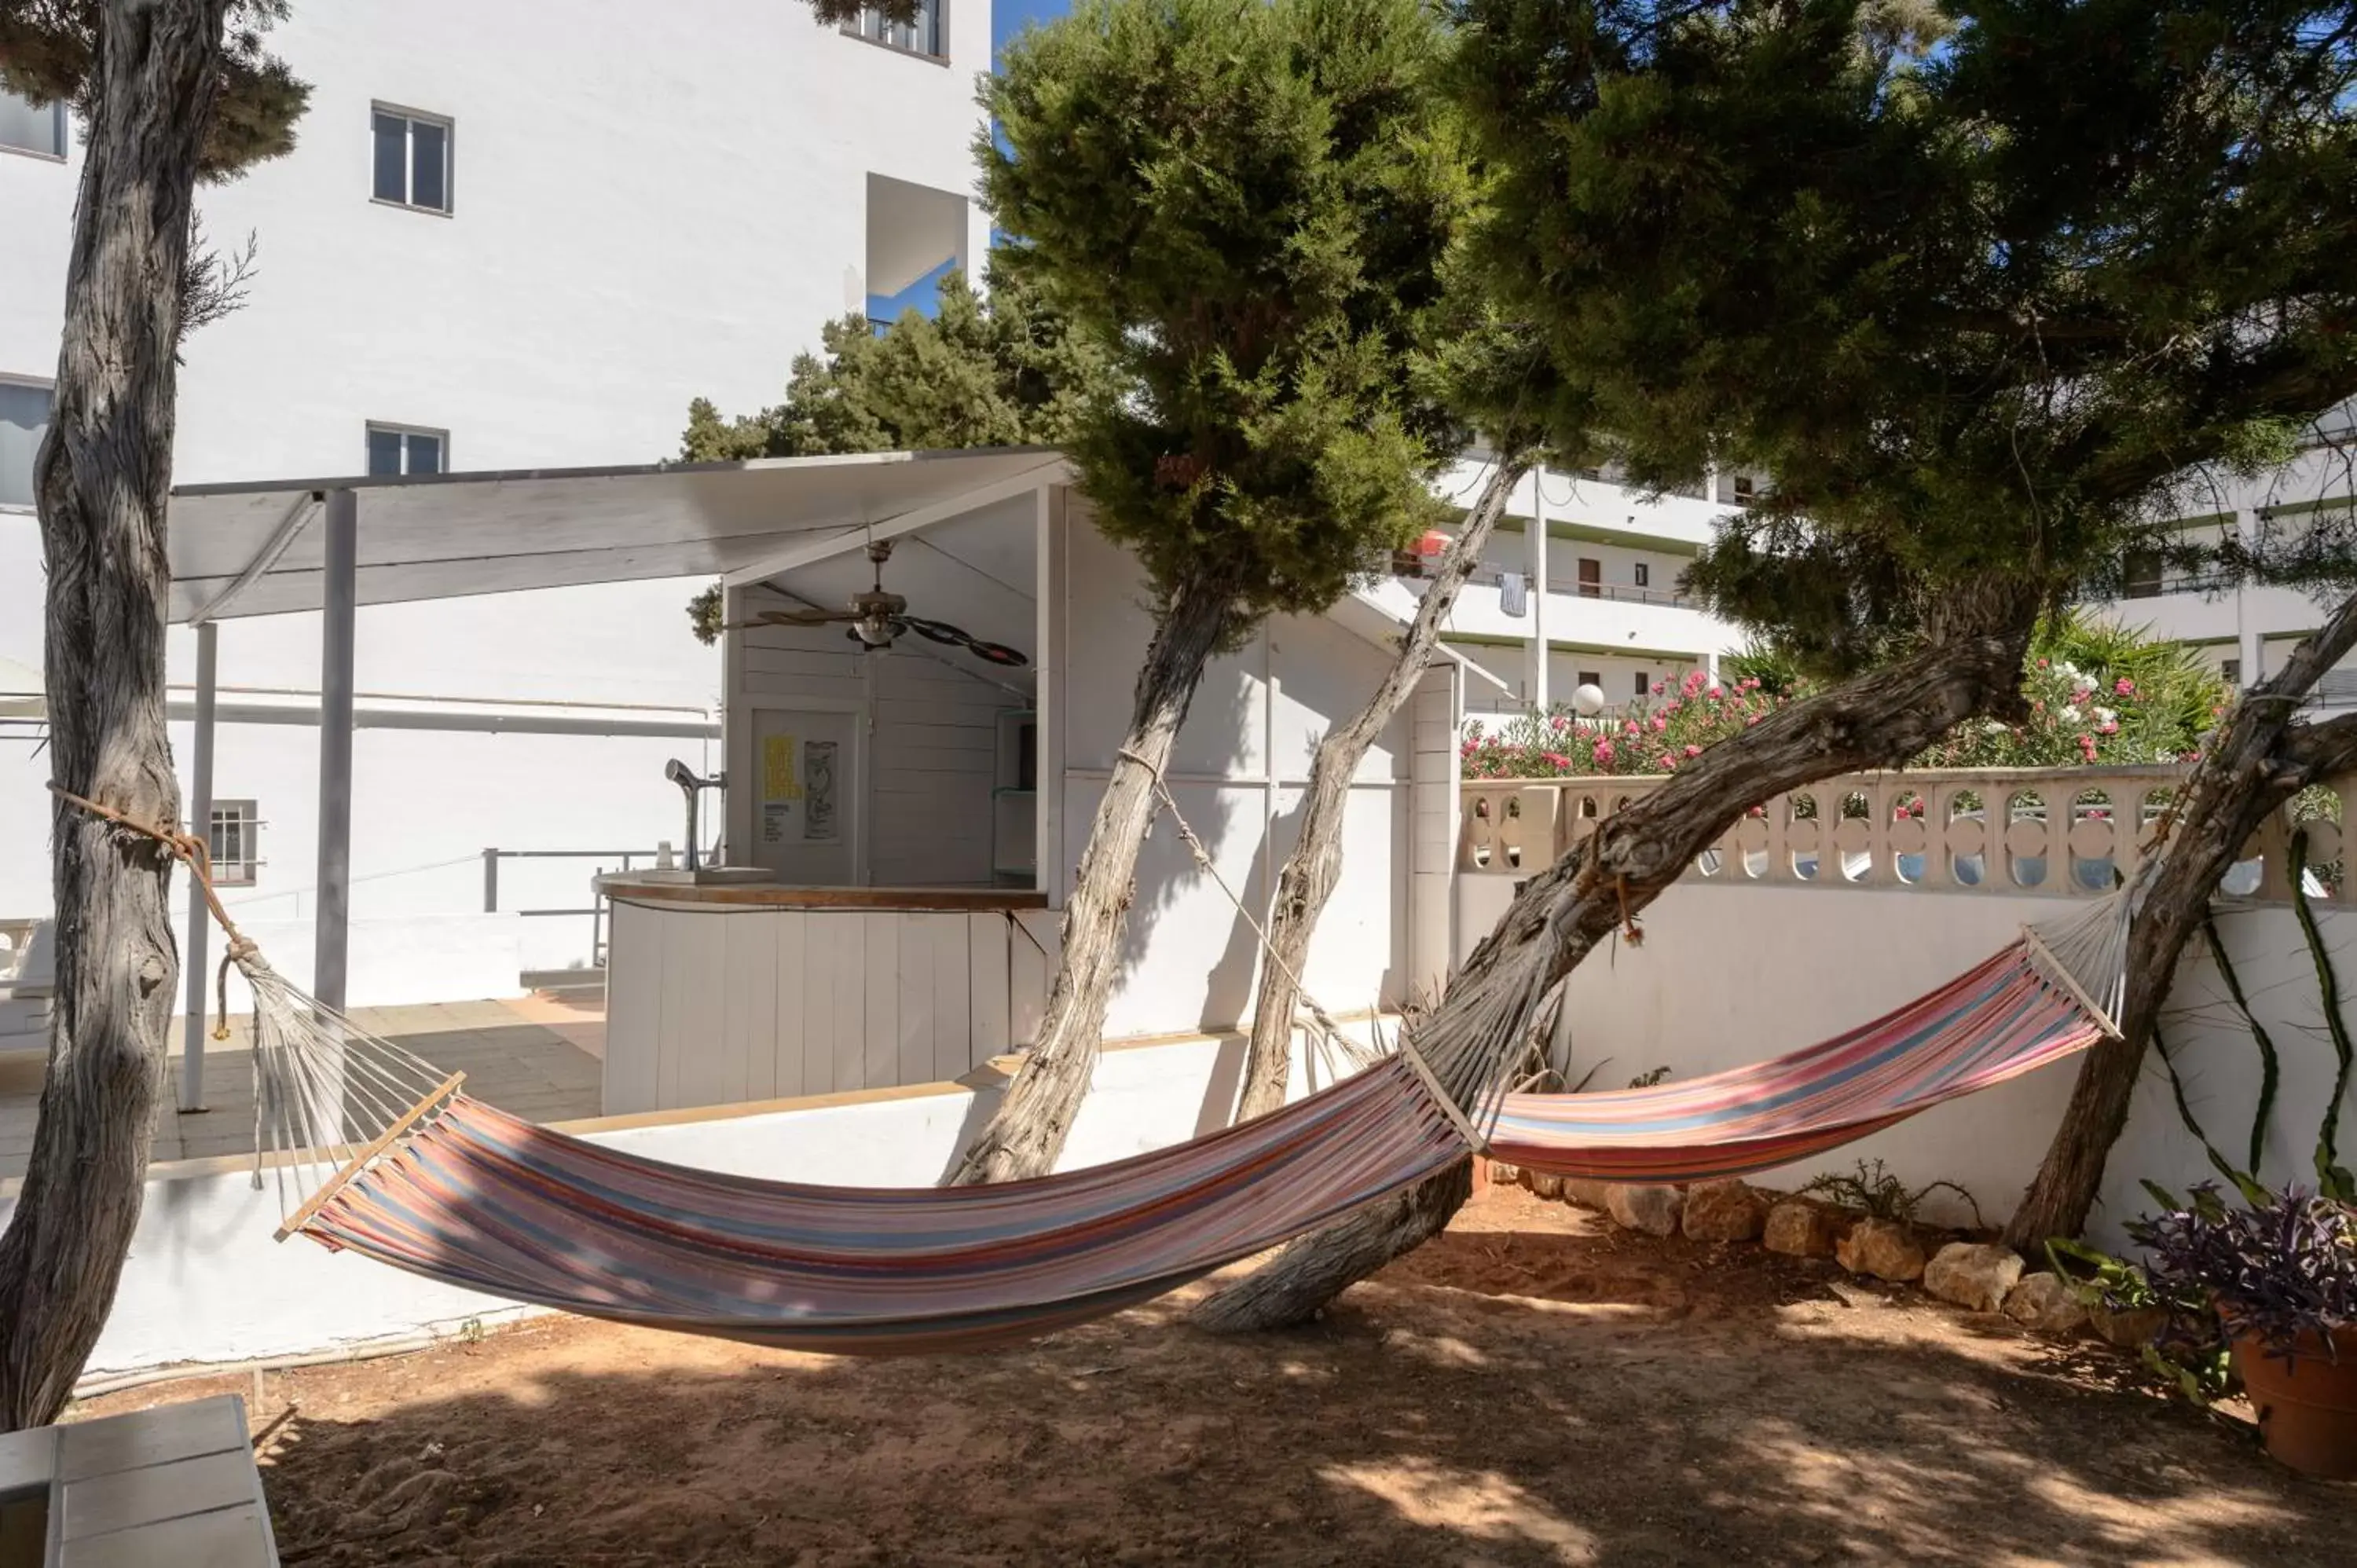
(258, 549)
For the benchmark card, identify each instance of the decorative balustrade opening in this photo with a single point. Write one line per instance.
(2064, 833)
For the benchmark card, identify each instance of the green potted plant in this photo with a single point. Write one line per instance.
(2278, 1275)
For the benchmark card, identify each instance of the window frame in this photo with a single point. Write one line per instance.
(40, 384)
(938, 55)
(57, 118)
(1644, 684)
(1641, 573)
(245, 871)
(1589, 677)
(393, 427)
(410, 119)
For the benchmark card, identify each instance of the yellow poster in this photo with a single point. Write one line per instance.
(779, 779)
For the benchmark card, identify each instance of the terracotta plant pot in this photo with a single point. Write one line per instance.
(2306, 1406)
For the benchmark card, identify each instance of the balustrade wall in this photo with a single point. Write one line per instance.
(2062, 832)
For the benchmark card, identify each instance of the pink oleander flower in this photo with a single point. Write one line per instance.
(1694, 681)
(1555, 758)
(1628, 726)
(2043, 663)
(2109, 727)
(1660, 724)
(1715, 694)
(1753, 720)
(1657, 688)
(2124, 687)
(1693, 751)
(1604, 754)
(1668, 763)
(1559, 724)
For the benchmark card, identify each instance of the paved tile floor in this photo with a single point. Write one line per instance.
(539, 1057)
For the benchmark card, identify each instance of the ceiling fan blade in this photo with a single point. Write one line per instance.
(803, 618)
(958, 637)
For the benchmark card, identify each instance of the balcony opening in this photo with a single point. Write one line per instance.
(915, 235)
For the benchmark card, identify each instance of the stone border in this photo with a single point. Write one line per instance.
(1976, 1274)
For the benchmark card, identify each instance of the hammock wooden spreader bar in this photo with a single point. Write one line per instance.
(418, 1175)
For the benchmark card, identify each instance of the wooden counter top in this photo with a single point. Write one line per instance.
(622, 885)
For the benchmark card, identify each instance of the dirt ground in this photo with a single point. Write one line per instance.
(1534, 1388)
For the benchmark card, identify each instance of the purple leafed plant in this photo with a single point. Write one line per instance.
(2276, 1268)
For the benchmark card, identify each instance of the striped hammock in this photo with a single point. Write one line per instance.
(458, 1191)
(1998, 1021)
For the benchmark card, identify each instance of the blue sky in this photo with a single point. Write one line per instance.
(1007, 17)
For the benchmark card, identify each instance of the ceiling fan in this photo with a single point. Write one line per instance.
(877, 619)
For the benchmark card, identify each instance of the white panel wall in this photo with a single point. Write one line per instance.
(932, 742)
(1190, 958)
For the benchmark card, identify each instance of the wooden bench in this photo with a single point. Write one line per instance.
(170, 1487)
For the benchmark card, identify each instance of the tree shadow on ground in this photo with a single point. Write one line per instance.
(1671, 1406)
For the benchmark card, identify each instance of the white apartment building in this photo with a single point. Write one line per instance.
(510, 237)
(1612, 614)
(2248, 632)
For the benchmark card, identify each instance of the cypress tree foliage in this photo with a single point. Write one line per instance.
(1002, 371)
(1987, 312)
(50, 49)
(1248, 205)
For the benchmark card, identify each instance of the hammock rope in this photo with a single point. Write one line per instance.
(375, 1150)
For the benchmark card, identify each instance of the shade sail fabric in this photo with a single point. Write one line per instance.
(1997, 1022)
(483, 1200)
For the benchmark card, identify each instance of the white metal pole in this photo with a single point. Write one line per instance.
(1537, 539)
(339, 604)
(201, 819)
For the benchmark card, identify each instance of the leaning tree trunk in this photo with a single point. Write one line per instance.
(1310, 872)
(1028, 1131)
(2255, 762)
(1878, 720)
(101, 478)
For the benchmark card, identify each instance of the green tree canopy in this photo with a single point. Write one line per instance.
(1005, 371)
(1250, 204)
(1981, 311)
(48, 53)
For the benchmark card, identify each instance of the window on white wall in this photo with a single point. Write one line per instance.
(23, 416)
(1644, 686)
(394, 450)
(233, 839)
(1644, 574)
(25, 127)
(413, 159)
(922, 36)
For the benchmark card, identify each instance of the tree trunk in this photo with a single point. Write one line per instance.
(1027, 1133)
(1310, 872)
(1877, 720)
(2255, 763)
(103, 476)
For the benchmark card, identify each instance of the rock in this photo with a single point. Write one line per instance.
(1724, 1211)
(1883, 1248)
(1973, 1274)
(1586, 1191)
(2046, 1302)
(2129, 1330)
(1505, 1175)
(1800, 1229)
(1546, 1185)
(1652, 1209)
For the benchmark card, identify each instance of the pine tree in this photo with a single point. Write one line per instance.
(1248, 206)
(1984, 311)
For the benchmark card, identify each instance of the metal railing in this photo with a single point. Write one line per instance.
(595, 911)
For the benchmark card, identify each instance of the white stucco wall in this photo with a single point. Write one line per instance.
(646, 208)
(1237, 772)
(1730, 975)
(205, 1283)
